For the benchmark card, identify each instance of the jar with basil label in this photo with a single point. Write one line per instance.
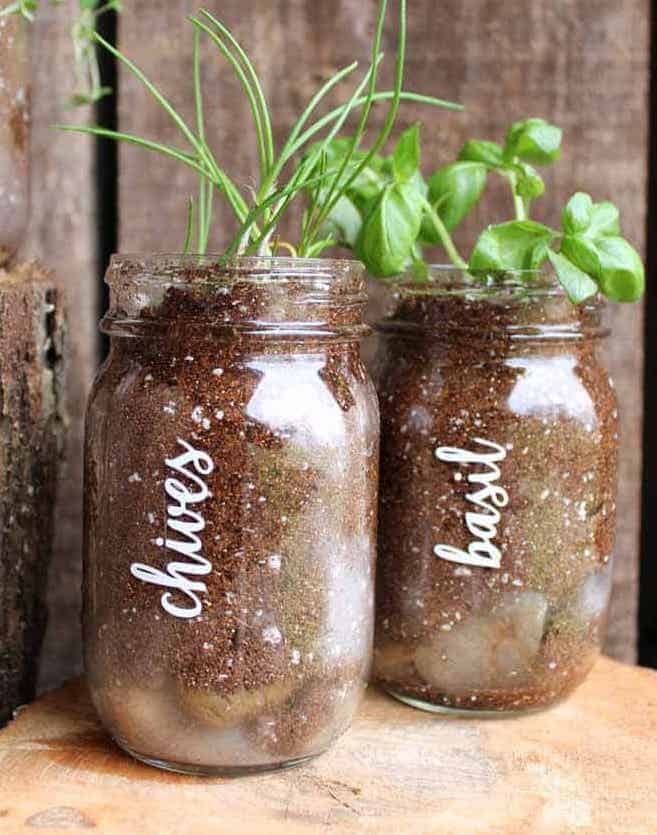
(498, 480)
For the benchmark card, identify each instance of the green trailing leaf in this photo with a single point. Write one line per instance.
(577, 284)
(89, 88)
(453, 191)
(516, 245)
(389, 232)
(533, 141)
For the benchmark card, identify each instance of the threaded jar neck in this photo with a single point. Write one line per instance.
(151, 295)
(450, 305)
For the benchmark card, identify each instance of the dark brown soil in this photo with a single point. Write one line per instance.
(523, 374)
(291, 425)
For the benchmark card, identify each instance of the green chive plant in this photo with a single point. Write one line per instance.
(388, 214)
(89, 88)
(302, 165)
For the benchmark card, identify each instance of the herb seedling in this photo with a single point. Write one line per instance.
(298, 166)
(390, 213)
(89, 88)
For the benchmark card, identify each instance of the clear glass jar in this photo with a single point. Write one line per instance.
(15, 80)
(231, 501)
(498, 479)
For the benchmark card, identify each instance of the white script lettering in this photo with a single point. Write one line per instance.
(489, 499)
(187, 488)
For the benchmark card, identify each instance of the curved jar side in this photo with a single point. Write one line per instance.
(498, 481)
(231, 489)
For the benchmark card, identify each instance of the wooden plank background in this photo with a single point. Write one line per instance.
(580, 63)
(62, 233)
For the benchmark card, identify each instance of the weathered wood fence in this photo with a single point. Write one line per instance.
(582, 64)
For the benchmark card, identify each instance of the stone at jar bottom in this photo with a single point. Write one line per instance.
(511, 445)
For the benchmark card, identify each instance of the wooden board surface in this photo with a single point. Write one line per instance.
(587, 766)
(582, 64)
(62, 235)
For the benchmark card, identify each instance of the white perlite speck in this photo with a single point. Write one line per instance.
(134, 478)
(272, 635)
(274, 562)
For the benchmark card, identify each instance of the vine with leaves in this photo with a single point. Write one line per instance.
(89, 88)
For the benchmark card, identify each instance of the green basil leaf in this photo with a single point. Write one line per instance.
(368, 184)
(577, 284)
(583, 253)
(529, 184)
(453, 191)
(622, 274)
(481, 150)
(534, 141)
(516, 245)
(390, 231)
(343, 223)
(577, 215)
(406, 157)
(604, 221)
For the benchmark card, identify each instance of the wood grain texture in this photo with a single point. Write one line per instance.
(586, 766)
(62, 235)
(581, 63)
(31, 439)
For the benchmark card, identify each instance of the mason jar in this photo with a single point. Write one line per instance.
(15, 82)
(498, 488)
(231, 503)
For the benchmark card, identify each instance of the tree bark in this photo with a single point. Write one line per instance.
(31, 440)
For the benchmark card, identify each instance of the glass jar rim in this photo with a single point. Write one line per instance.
(155, 267)
(445, 303)
(446, 279)
(247, 294)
